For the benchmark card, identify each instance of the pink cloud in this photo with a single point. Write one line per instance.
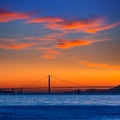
(50, 54)
(45, 20)
(51, 37)
(7, 16)
(87, 25)
(90, 25)
(99, 65)
(16, 46)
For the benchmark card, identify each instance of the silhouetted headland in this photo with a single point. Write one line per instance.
(114, 90)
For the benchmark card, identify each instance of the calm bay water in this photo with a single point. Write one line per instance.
(59, 107)
(112, 100)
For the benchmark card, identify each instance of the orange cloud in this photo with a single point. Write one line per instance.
(98, 65)
(6, 16)
(16, 46)
(70, 44)
(52, 36)
(65, 44)
(45, 20)
(90, 25)
(50, 54)
(101, 28)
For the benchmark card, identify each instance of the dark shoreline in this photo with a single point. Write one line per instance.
(62, 94)
(114, 90)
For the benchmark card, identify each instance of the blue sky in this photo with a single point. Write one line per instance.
(82, 34)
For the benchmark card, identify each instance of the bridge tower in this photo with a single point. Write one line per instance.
(49, 85)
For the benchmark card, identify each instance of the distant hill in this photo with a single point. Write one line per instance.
(114, 90)
(100, 91)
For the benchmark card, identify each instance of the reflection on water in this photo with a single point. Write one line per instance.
(59, 100)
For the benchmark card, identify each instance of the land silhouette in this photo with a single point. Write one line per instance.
(113, 90)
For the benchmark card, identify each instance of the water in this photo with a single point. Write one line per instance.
(59, 107)
(108, 100)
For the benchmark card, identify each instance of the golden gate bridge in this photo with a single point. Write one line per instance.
(49, 89)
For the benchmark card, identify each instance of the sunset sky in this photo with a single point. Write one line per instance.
(75, 40)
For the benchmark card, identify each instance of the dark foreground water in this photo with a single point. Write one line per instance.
(59, 107)
(60, 113)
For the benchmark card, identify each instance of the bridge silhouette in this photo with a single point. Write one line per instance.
(29, 87)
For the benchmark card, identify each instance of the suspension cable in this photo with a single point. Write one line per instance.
(67, 81)
(35, 82)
